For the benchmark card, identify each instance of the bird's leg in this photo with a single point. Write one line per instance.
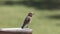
(26, 25)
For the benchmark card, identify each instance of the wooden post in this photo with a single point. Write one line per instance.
(15, 31)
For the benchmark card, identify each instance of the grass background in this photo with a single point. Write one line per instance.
(13, 16)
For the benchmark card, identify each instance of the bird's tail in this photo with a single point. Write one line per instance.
(24, 25)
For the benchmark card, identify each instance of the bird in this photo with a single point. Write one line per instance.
(27, 20)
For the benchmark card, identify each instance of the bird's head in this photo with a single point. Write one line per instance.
(30, 14)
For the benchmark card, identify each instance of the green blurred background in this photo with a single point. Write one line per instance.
(45, 21)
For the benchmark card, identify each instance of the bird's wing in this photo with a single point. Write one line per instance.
(27, 20)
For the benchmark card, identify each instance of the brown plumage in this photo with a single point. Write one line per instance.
(27, 20)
